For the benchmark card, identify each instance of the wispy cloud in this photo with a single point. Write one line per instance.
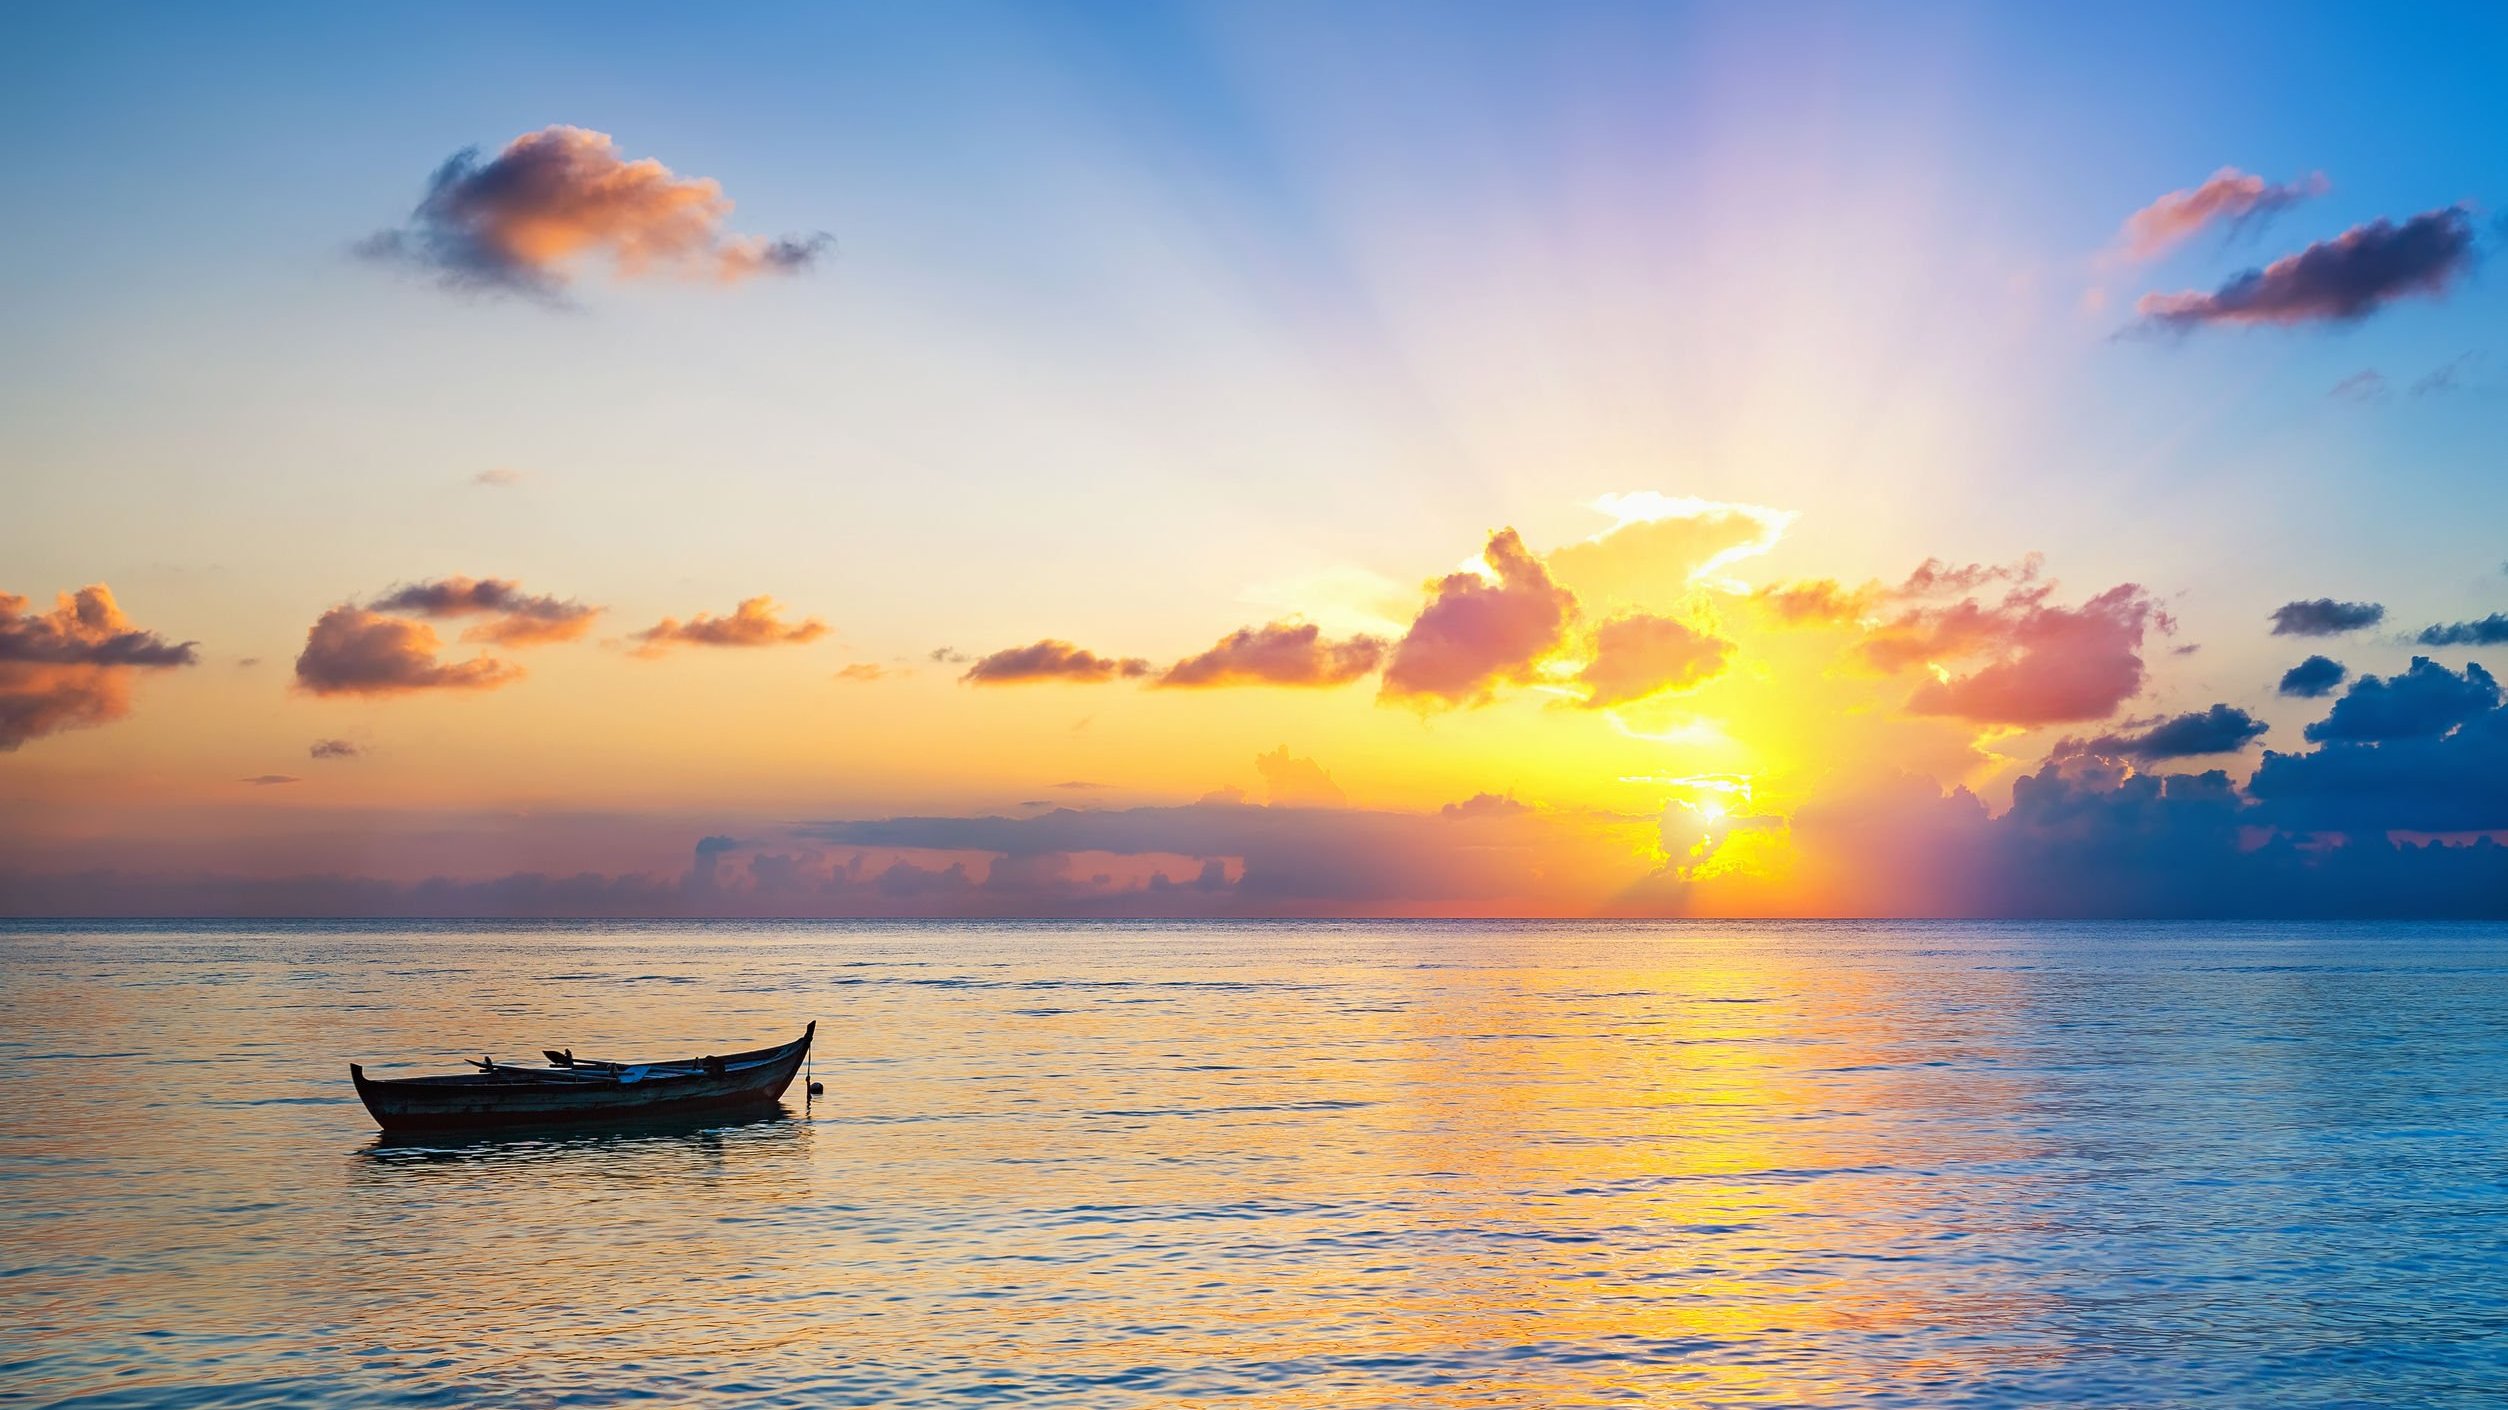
(2228, 197)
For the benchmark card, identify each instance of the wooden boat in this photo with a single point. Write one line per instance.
(581, 1089)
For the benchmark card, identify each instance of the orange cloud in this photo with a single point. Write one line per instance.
(755, 622)
(1822, 602)
(1293, 782)
(529, 217)
(1052, 660)
(72, 666)
(2228, 195)
(1476, 633)
(1282, 653)
(865, 672)
(1661, 545)
(353, 651)
(1639, 655)
(515, 617)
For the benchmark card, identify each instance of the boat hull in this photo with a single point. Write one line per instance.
(748, 1081)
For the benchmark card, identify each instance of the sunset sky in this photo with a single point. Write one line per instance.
(1254, 459)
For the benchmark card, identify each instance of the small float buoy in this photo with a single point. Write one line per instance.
(818, 1089)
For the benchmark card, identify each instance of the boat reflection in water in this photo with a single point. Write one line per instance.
(644, 1141)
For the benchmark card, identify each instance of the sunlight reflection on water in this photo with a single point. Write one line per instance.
(1289, 1165)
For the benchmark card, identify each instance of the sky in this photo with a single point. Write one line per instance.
(1254, 459)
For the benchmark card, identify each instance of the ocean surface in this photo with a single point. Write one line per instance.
(1311, 1164)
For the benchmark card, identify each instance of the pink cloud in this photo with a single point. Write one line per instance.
(1052, 660)
(1282, 653)
(2025, 661)
(2229, 195)
(1476, 634)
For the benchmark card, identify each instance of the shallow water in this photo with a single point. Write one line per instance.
(1869, 1164)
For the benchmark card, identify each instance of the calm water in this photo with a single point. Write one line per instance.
(1289, 1165)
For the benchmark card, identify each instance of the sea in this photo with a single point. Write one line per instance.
(1294, 1164)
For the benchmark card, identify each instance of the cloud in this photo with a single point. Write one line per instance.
(755, 622)
(2340, 280)
(2313, 678)
(333, 749)
(269, 780)
(73, 666)
(2086, 837)
(1292, 782)
(2366, 385)
(1639, 655)
(2325, 617)
(2489, 631)
(1484, 805)
(497, 477)
(2442, 770)
(1052, 660)
(865, 672)
(1823, 602)
(1660, 545)
(353, 651)
(2425, 699)
(2022, 661)
(1282, 653)
(1478, 632)
(515, 617)
(2229, 196)
(2444, 377)
(527, 219)
(2223, 729)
